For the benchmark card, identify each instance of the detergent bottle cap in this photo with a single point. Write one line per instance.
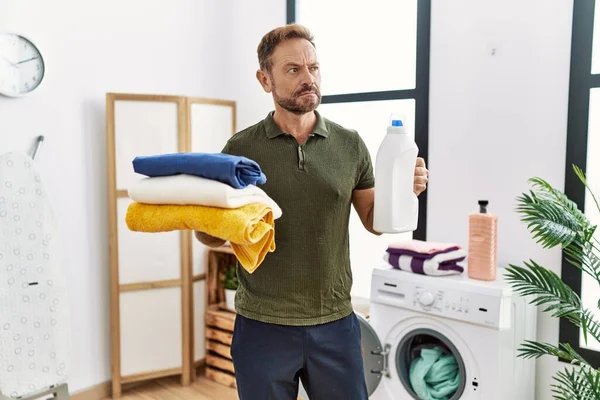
(397, 120)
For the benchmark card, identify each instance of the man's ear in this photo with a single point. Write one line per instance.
(265, 80)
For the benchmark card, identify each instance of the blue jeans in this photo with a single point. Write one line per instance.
(269, 359)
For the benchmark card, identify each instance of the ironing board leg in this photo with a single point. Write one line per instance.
(59, 392)
(62, 392)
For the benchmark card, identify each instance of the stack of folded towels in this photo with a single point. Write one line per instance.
(212, 193)
(426, 258)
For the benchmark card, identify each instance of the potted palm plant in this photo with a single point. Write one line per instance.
(554, 220)
(230, 285)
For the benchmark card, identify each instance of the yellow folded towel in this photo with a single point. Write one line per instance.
(249, 229)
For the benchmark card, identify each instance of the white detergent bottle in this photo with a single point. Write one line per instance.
(396, 207)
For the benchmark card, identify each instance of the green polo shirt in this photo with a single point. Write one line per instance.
(307, 279)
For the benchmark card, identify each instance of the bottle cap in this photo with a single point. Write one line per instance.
(483, 206)
(397, 119)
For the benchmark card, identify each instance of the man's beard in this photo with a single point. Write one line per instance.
(295, 104)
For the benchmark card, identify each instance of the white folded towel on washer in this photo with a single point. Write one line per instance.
(186, 189)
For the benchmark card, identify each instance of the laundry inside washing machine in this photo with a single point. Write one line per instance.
(429, 366)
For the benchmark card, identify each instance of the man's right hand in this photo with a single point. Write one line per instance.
(208, 240)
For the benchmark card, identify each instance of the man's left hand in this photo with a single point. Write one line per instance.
(421, 176)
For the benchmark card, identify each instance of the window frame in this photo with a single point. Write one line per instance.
(581, 82)
(420, 94)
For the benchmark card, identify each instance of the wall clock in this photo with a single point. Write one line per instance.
(22, 66)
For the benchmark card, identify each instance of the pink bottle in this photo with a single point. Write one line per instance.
(483, 244)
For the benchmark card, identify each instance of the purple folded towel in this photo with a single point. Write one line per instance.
(440, 263)
(424, 256)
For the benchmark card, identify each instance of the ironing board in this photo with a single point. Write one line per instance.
(34, 323)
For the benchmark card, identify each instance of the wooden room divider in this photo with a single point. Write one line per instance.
(157, 281)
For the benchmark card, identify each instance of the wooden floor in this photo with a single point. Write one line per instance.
(171, 389)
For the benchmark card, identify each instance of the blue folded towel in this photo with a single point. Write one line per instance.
(236, 171)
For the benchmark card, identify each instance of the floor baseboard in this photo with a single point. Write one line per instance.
(103, 390)
(98, 392)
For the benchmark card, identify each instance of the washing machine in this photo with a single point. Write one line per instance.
(482, 324)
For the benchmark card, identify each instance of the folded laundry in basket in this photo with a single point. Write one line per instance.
(184, 189)
(236, 171)
(249, 229)
(439, 264)
(434, 375)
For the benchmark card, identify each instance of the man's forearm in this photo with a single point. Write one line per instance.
(208, 240)
(364, 204)
(369, 222)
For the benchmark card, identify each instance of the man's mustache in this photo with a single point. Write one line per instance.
(311, 89)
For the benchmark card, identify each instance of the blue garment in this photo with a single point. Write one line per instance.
(236, 171)
(269, 359)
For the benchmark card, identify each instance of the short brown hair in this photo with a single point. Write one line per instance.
(270, 41)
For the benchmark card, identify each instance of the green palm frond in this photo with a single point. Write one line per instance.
(546, 191)
(531, 349)
(585, 258)
(592, 378)
(577, 384)
(547, 289)
(589, 325)
(552, 217)
(545, 286)
(548, 222)
(554, 220)
(581, 175)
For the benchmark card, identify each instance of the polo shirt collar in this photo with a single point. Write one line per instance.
(273, 130)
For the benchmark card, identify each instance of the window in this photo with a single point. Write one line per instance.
(583, 150)
(383, 57)
(374, 62)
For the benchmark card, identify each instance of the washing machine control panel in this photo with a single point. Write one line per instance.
(458, 304)
(446, 298)
(436, 300)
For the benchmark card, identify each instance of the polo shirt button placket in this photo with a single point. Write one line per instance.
(300, 158)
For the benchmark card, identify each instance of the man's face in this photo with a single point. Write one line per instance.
(294, 79)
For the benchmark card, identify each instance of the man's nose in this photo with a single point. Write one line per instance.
(306, 77)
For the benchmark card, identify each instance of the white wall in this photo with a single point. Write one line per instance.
(92, 48)
(496, 121)
(253, 103)
(507, 111)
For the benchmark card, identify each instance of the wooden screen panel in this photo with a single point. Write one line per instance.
(146, 268)
(143, 128)
(151, 336)
(146, 257)
(212, 124)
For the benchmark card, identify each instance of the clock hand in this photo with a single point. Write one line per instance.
(10, 62)
(24, 61)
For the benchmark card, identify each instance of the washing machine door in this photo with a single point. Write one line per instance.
(373, 354)
(409, 349)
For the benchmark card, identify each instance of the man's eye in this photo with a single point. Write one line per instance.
(294, 70)
(315, 68)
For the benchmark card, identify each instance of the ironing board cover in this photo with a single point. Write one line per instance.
(34, 326)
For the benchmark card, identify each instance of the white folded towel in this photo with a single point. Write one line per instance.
(186, 189)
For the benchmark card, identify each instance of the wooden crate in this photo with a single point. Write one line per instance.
(218, 320)
(219, 333)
